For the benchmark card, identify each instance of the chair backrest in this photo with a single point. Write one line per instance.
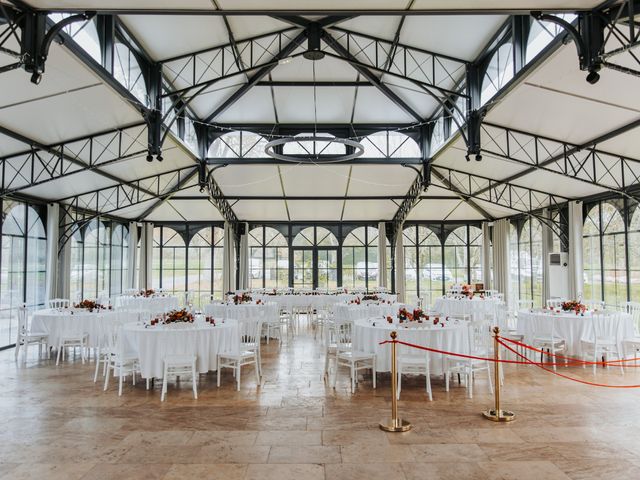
(544, 326)
(343, 336)
(555, 302)
(633, 309)
(23, 325)
(58, 303)
(479, 335)
(249, 330)
(605, 326)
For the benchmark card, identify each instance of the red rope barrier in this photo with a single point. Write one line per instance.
(470, 357)
(578, 380)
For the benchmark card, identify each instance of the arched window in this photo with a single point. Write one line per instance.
(238, 145)
(323, 243)
(360, 258)
(423, 270)
(500, 70)
(95, 261)
(390, 144)
(119, 258)
(268, 258)
(614, 259)
(127, 71)
(169, 260)
(84, 34)
(542, 33)
(591, 256)
(22, 262)
(463, 254)
(459, 114)
(438, 135)
(205, 263)
(634, 259)
(315, 148)
(530, 261)
(190, 138)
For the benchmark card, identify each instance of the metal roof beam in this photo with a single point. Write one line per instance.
(273, 161)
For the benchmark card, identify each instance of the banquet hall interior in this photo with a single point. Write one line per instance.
(381, 239)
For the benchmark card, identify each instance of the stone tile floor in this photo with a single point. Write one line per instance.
(58, 424)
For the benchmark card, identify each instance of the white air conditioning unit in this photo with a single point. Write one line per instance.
(558, 264)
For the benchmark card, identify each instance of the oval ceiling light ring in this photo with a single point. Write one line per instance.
(357, 146)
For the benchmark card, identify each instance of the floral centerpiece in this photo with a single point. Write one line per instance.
(244, 298)
(147, 293)
(370, 297)
(90, 305)
(575, 306)
(355, 301)
(178, 316)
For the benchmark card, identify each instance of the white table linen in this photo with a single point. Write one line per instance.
(320, 301)
(343, 312)
(153, 343)
(152, 305)
(478, 308)
(571, 327)
(62, 322)
(454, 337)
(266, 312)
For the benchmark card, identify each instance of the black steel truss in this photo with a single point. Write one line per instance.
(45, 163)
(590, 165)
(77, 210)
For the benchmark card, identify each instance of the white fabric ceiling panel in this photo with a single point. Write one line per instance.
(138, 167)
(435, 190)
(381, 27)
(271, 210)
(255, 106)
(626, 144)
(373, 107)
(417, 99)
(561, 74)
(558, 115)
(134, 212)
(523, 4)
(459, 36)
(311, 4)
(205, 103)
(63, 74)
(302, 210)
(327, 69)
(490, 166)
(496, 211)
(247, 26)
(249, 180)
(8, 145)
(192, 210)
(557, 184)
(165, 36)
(62, 117)
(296, 105)
(329, 180)
(369, 210)
(438, 210)
(68, 186)
(380, 180)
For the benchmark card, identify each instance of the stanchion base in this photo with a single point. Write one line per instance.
(395, 425)
(500, 416)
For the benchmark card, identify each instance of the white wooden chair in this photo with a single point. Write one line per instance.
(415, 364)
(631, 345)
(26, 336)
(603, 341)
(546, 338)
(58, 303)
(354, 359)
(120, 362)
(72, 336)
(479, 346)
(246, 351)
(180, 365)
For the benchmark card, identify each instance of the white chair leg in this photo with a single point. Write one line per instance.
(490, 381)
(148, 384)
(106, 377)
(120, 379)
(353, 378)
(165, 375)
(218, 372)
(374, 373)
(60, 352)
(238, 376)
(95, 375)
(195, 380)
(18, 343)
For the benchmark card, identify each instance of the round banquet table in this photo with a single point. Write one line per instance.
(571, 327)
(321, 301)
(153, 343)
(453, 337)
(349, 312)
(153, 305)
(477, 308)
(71, 321)
(267, 312)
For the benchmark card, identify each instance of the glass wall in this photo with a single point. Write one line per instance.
(425, 275)
(205, 264)
(22, 264)
(268, 258)
(360, 259)
(99, 260)
(604, 253)
(463, 255)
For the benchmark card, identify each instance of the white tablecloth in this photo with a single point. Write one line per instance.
(571, 327)
(205, 341)
(97, 324)
(322, 301)
(267, 312)
(477, 307)
(343, 312)
(452, 338)
(152, 305)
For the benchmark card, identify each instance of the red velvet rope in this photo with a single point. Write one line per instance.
(578, 380)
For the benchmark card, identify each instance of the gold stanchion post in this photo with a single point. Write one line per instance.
(394, 424)
(497, 414)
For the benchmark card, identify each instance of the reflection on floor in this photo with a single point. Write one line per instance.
(58, 424)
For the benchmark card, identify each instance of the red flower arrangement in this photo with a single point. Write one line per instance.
(244, 298)
(178, 316)
(575, 306)
(370, 297)
(90, 305)
(389, 319)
